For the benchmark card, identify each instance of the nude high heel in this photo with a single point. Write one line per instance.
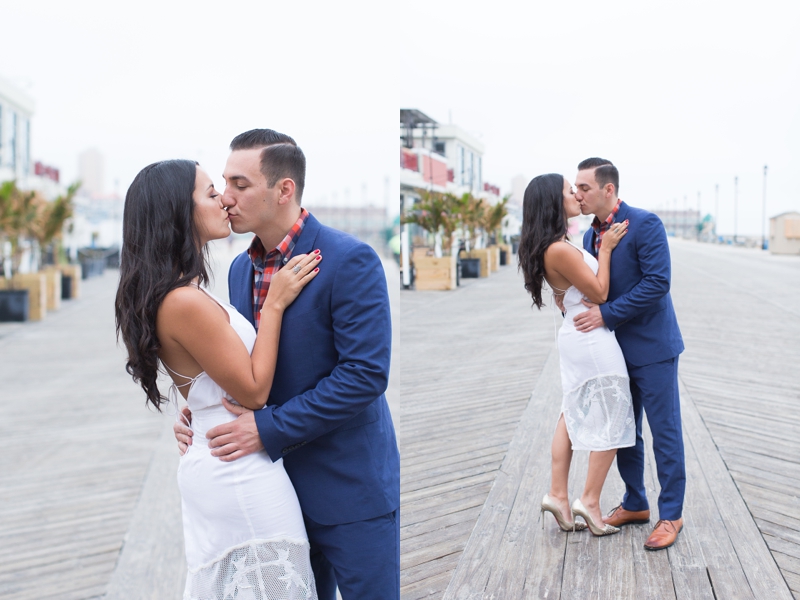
(549, 505)
(579, 509)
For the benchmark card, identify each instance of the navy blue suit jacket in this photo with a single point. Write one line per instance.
(639, 308)
(327, 415)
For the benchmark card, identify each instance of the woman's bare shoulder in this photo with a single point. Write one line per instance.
(186, 302)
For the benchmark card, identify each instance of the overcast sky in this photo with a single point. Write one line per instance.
(144, 81)
(680, 95)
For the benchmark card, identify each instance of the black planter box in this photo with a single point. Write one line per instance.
(503, 258)
(13, 305)
(470, 267)
(66, 287)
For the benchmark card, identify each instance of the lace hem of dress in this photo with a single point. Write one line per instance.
(599, 414)
(256, 570)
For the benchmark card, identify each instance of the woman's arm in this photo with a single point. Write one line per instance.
(190, 318)
(565, 261)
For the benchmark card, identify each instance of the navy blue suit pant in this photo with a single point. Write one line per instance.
(655, 391)
(361, 558)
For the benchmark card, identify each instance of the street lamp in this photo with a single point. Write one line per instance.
(699, 216)
(764, 213)
(716, 208)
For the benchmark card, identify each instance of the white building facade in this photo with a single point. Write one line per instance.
(16, 110)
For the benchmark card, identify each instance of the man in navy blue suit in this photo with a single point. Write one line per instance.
(327, 416)
(639, 310)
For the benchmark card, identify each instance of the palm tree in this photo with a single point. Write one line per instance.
(28, 215)
(52, 217)
(493, 217)
(18, 212)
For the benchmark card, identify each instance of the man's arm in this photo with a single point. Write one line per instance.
(654, 262)
(362, 337)
(361, 322)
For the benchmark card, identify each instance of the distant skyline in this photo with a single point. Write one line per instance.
(155, 80)
(680, 96)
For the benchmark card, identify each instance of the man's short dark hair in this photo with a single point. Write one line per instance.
(281, 156)
(604, 171)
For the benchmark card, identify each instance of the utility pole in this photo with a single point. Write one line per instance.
(698, 215)
(764, 213)
(735, 208)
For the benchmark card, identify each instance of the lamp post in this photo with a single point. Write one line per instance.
(764, 213)
(735, 207)
(716, 208)
(697, 225)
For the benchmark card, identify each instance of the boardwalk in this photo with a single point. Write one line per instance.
(89, 506)
(471, 527)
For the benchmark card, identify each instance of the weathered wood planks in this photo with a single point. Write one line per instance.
(741, 436)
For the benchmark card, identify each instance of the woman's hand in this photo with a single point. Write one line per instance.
(287, 283)
(614, 234)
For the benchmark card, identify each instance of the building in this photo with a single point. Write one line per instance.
(784, 233)
(367, 223)
(439, 158)
(681, 223)
(16, 110)
(445, 153)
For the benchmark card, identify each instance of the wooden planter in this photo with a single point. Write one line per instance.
(485, 255)
(73, 271)
(435, 273)
(509, 258)
(494, 258)
(53, 280)
(36, 284)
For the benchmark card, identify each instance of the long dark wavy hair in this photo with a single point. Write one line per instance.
(160, 252)
(543, 222)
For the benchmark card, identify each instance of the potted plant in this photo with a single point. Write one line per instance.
(433, 213)
(17, 215)
(492, 224)
(471, 213)
(49, 232)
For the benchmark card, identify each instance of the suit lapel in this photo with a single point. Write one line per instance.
(305, 243)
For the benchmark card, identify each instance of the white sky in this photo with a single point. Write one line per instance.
(150, 80)
(680, 95)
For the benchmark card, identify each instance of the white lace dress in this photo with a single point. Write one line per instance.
(597, 406)
(244, 532)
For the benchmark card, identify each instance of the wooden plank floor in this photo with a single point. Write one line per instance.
(89, 504)
(460, 402)
(739, 310)
(722, 552)
(78, 443)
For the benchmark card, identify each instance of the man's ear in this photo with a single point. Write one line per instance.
(287, 189)
(609, 190)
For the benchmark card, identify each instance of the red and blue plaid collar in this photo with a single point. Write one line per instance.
(258, 254)
(601, 228)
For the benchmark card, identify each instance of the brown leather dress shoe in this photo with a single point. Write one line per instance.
(664, 534)
(619, 517)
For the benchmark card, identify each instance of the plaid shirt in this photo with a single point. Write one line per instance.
(266, 264)
(601, 228)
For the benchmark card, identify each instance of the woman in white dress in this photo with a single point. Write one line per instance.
(596, 411)
(243, 528)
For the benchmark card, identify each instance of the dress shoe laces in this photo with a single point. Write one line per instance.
(669, 524)
(613, 510)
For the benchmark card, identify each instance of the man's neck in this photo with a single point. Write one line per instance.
(603, 213)
(273, 233)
